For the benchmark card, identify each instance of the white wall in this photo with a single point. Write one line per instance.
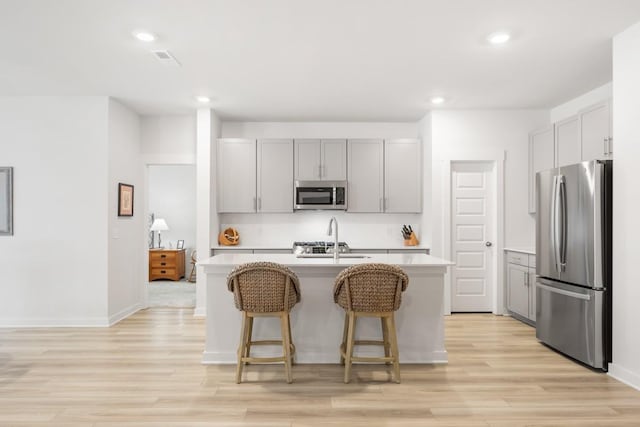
(425, 135)
(126, 234)
(54, 267)
(168, 139)
(359, 230)
(172, 196)
(209, 129)
(319, 130)
(626, 204)
(572, 106)
(459, 132)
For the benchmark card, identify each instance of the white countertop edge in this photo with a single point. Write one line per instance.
(529, 251)
(353, 248)
(290, 260)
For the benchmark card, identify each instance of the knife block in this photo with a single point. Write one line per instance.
(412, 240)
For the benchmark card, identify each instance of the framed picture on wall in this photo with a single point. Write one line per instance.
(180, 244)
(125, 199)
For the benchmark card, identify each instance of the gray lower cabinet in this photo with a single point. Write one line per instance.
(521, 279)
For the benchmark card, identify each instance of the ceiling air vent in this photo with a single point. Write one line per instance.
(166, 58)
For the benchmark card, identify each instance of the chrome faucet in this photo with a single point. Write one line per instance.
(336, 247)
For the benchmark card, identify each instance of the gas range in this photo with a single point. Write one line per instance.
(318, 248)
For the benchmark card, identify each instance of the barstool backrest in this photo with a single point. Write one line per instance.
(370, 287)
(264, 287)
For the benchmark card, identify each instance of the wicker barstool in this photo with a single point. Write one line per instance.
(264, 289)
(370, 290)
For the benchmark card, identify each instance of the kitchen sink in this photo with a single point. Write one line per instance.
(331, 256)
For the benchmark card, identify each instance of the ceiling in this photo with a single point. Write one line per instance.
(323, 60)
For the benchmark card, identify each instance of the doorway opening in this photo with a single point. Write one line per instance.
(171, 198)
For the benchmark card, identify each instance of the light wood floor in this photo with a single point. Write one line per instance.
(146, 371)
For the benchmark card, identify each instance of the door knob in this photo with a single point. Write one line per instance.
(488, 244)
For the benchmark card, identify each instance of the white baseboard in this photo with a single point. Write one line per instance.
(55, 322)
(122, 314)
(624, 375)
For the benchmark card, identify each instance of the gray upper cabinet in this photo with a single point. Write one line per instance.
(320, 159)
(365, 175)
(567, 136)
(595, 127)
(402, 176)
(541, 157)
(236, 161)
(275, 175)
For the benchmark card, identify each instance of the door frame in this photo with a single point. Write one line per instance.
(496, 157)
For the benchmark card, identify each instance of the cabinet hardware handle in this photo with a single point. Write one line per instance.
(163, 271)
(319, 171)
(163, 263)
(526, 279)
(610, 145)
(255, 204)
(605, 146)
(163, 256)
(259, 203)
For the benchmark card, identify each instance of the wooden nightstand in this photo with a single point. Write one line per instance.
(166, 264)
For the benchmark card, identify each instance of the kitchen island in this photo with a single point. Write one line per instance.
(317, 322)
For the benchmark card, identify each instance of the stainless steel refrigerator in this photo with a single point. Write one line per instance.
(573, 260)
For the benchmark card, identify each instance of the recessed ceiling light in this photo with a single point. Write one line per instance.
(437, 100)
(499, 37)
(203, 99)
(144, 36)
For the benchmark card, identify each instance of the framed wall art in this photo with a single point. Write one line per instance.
(180, 244)
(6, 201)
(125, 199)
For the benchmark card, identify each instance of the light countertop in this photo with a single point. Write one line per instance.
(530, 251)
(358, 247)
(290, 260)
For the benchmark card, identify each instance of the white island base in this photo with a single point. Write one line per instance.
(317, 322)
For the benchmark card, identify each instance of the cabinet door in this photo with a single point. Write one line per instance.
(568, 150)
(365, 175)
(518, 289)
(307, 159)
(333, 164)
(236, 175)
(275, 175)
(541, 157)
(532, 293)
(402, 176)
(595, 130)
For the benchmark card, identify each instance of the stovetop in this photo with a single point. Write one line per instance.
(318, 247)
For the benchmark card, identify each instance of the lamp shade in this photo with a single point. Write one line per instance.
(159, 224)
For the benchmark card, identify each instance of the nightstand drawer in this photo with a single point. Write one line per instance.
(163, 263)
(163, 272)
(162, 256)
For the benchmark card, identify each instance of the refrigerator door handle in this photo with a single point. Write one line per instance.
(585, 297)
(554, 224)
(562, 192)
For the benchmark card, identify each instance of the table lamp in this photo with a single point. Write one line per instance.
(159, 225)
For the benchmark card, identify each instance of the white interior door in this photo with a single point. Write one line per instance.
(472, 229)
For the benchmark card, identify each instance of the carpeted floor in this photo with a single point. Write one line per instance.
(163, 293)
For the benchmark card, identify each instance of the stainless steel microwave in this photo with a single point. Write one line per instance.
(317, 195)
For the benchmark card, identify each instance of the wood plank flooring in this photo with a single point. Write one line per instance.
(146, 371)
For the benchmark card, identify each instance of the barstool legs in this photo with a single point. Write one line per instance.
(389, 342)
(349, 348)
